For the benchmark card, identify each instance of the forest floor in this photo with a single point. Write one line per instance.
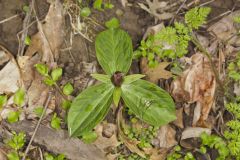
(204, 82)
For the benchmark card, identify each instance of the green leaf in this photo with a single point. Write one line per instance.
(112, 23)
(55, 122)
(197, 16)
(89, 108)
(48, 156)
(56, 74)
(66, 104)
(108, 5)
(102, 78)
(117, 95)
(3, 100)
(149, 102)
(85, 12)
(13, 156)
(98, 5)
(26, 8)
(42, 69)
(68, 89)
(48, 81)
(13, 116)
(39, 111)
(89, 137)
(132, 78)
(114, 51)
(19, 97)
(27, 40)
(60, 157)
(17, 141)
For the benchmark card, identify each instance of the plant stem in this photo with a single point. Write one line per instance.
(60, 91)
(206, 53)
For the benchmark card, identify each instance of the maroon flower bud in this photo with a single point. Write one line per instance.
(117, 79)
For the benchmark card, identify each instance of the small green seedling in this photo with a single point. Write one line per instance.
(172, 42)
(18, 99)
(3, 101)
(16, 143)
(48, 156)
(55, 122)
(100, 5)
(147, 101)
(214, 142)
(177, 154)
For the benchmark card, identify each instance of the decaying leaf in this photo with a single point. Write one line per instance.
(51, 34)
(179, 121)
(197, 84)
(166, 137)
(156, 73)
(9, 83)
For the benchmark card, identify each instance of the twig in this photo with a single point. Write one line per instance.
(9, 18)
(37, 126)
(178, 11)
(206, 53)
(221, 15)
(25, 31)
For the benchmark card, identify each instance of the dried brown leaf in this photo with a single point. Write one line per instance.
(197, 84)
(156, 73)
(51, 34)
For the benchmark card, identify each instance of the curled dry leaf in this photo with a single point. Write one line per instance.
(130, 144)
(194, 132)
(50, 36)
(197, 84)
(166, 137)
(179, 121)
(225, 29)
(9, 83)
(153, 30)
(156, 73)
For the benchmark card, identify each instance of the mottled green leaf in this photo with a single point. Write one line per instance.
(98, 5)
(132, 78)
(117, 95)
(114, 51)
(149, 102)
(89, 108)
(39, 111)
(102, 78)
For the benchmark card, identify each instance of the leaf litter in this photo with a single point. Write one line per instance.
(197, 84)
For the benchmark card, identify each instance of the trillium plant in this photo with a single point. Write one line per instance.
(147, 101)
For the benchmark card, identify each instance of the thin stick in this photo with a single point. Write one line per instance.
(178, 11)
(8, 19)
(26, 21)
(37, 126)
